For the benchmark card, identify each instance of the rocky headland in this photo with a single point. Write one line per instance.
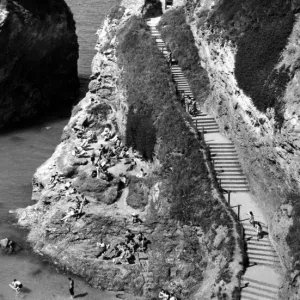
(38, 60)
(130, 154)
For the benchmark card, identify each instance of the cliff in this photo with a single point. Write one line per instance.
(154, 167)
(38, 58)
(250, 52)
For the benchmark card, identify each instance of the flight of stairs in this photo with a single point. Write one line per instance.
(257, 290)
(260, 252)
(231, 178)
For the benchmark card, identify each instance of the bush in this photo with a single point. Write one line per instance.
(152, 8)
(180, 40)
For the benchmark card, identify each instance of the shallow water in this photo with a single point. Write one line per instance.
(22, 151)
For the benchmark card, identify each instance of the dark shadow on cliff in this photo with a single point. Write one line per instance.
(260, 31)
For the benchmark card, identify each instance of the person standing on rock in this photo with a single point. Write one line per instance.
(71, 287)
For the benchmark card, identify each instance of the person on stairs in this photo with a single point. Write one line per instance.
(258, 230)
(251, 219)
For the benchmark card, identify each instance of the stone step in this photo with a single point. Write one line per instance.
(205, 123)
(223, 151)
(227, 169)
(224, 178)
(223, 155)
(235, 183)
(259, 283)
(262, 255)
(248, 226)
(260, 259)
(265, 250)
(226, 163)
(261, 289)
(259, 244)
(255, 295)
(266, 264)
(225, 158)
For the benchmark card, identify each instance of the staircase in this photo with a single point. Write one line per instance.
(261, 280)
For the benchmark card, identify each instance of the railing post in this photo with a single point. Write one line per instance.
(229, 198)
(197, 124)
(239, 212)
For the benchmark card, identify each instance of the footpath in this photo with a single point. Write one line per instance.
(262, 279)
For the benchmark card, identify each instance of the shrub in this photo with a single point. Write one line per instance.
(152, 8)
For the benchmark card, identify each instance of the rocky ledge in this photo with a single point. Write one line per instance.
(38, 59)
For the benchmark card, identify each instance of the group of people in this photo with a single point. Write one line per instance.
(189, 102)
(165, 295)
(124, 252)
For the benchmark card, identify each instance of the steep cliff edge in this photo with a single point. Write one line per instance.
(152, 165)
(250, 52)
(38, 58)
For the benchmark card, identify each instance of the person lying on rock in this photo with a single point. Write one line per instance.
(78, 151)
(70, 213)
(131, 166)
(135, 218)
(102, 248)
(113, 253)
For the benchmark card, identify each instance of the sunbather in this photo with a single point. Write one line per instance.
(70, 213)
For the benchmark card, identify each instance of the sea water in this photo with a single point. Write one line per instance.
(22, 151)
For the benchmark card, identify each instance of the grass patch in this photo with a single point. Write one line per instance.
(179, 38)
(260, 31)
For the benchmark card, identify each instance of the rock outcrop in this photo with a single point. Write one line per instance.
(38, 58)
(250, 51)
(194, 259)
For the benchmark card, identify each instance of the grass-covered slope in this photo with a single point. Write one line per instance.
(260, 30)
(180, 40)
(155, 126)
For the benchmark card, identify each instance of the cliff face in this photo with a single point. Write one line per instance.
(250, 51)
(38, 58)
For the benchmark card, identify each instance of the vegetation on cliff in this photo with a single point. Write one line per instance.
(180, 40)
(156, 126)
(260, 30)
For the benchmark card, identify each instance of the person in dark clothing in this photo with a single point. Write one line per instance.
(71, 287)
(129, 236)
